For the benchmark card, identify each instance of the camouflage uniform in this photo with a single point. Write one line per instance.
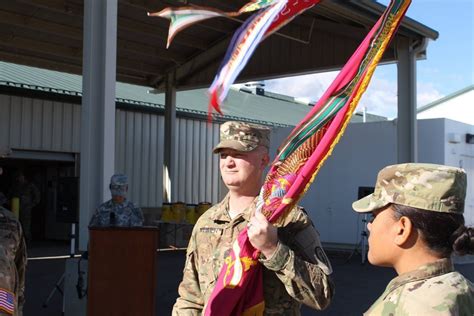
(29, 197)
(124, 214)
(434, 288)
(297, 273)
(12, 260)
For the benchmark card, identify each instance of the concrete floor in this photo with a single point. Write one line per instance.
(357, 285)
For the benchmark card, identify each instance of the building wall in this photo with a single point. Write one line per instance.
(431, 141)
(49, 126)
(139, 154)
(42, 125)
(459, 108)
(461, 154)
(363, 150)
(197, 168)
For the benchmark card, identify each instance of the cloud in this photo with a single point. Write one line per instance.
(427, 93)
(306, 86)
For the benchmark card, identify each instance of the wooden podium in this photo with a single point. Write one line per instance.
(122, 271)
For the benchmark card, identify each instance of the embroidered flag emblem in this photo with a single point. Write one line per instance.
(7, 301)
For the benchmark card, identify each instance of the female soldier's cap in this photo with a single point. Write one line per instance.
(242, 136)
(426, 186)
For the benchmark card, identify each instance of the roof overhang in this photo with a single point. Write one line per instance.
(49, 34)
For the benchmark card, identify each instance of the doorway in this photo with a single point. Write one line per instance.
(46, 175)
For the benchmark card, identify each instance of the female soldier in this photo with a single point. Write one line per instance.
(417, 224)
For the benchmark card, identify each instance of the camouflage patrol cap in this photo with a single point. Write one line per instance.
(243, 136)
(119, 184)
(426, 186)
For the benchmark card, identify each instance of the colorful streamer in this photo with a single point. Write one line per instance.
(245, 39)
(183, 17)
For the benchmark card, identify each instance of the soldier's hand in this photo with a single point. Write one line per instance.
(262, 234)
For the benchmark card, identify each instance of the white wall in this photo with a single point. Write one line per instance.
(355, 161)
(443, 141)
(462, 155)
(459, 108)
(365, 149)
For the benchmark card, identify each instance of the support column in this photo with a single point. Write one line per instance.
(406, 123)
(169, 168)
(98, 108)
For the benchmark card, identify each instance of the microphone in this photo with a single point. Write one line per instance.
(112, 219)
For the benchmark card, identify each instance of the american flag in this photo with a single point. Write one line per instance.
(7, 301)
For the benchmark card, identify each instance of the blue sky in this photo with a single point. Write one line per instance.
(449, 66)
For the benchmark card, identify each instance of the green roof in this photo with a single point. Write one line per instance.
(238, 105)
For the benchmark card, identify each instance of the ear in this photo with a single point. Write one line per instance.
(403, 229)
(265, 160)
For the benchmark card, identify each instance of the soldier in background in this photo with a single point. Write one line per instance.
(295, 269)
(29, 196)
(418, 223)
(118, 211)
(12, 263)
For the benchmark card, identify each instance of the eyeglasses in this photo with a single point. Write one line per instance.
(118, 186)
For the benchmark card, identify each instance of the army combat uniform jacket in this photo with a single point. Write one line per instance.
(12, 264)
(125, 214)
(298, 272)
(433, 289)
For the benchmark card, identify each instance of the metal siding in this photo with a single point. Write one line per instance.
(137, 146)
(5, 102)
(139, 154)
(76, 129)
(37, 123)
(154, 176)
(15, 122)
(55, 126)
(46, 134)
(197, 170)
(128, 142)
(202, 172)
(145, 161)
(179, 187)
(67, 126)
(120, 139)
(156, 159)
(215, 189)
(188, 156)
(26, 123)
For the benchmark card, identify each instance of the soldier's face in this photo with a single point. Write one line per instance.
(118, 198)
(242, 168)
(382, 250)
